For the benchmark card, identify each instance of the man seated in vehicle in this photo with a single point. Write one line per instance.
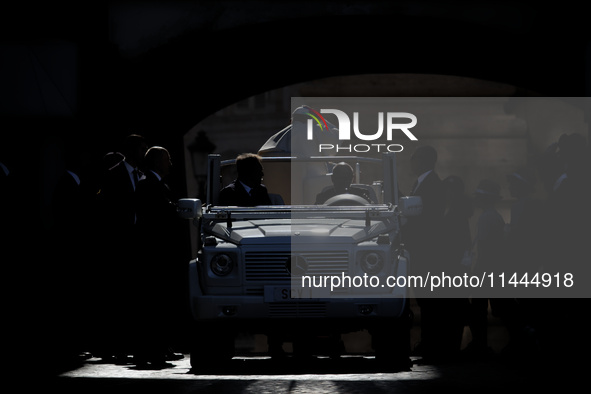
(246, 190)
(342, 176)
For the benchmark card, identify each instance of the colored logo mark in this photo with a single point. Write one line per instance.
(315, 116)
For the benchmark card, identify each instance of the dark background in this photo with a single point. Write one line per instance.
(112, 79)
(86, 74)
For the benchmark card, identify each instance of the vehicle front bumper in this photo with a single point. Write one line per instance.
(257, 310)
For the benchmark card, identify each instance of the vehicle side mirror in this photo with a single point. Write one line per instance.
(189, 208)
(410, 206)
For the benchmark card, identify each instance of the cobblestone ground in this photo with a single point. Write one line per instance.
(352, 374)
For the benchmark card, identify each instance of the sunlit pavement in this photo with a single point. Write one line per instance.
(353, 374)
(348, 374)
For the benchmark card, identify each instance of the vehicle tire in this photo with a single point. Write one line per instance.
(391, 343)
(211, 348)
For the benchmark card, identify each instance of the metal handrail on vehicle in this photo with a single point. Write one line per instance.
(369, 213)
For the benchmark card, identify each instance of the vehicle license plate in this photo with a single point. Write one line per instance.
(289, 294)
(283, 294)
(278, 294)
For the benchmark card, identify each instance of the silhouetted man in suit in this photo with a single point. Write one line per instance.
(119, 183)
(161, 270)
(156, 207)
(71, 202)
(116, 201)
(342, 176)
(422, 237)
(422, 231)
(246, 190)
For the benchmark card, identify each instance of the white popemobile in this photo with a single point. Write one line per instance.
(299, 271)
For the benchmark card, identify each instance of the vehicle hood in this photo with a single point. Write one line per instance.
(286, 231)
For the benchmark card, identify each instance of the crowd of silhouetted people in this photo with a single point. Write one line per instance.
(117, 257)
(545, 232)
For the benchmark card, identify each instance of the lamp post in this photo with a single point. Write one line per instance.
(200, 148)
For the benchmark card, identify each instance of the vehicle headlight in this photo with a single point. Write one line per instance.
(371, 262)
(221, 264)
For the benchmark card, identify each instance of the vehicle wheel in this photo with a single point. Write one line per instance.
(336, 347)
(211, 348)
(391, 343)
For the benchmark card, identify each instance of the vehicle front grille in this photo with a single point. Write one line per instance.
(255, 291)
(297, 309)
(271, 266)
